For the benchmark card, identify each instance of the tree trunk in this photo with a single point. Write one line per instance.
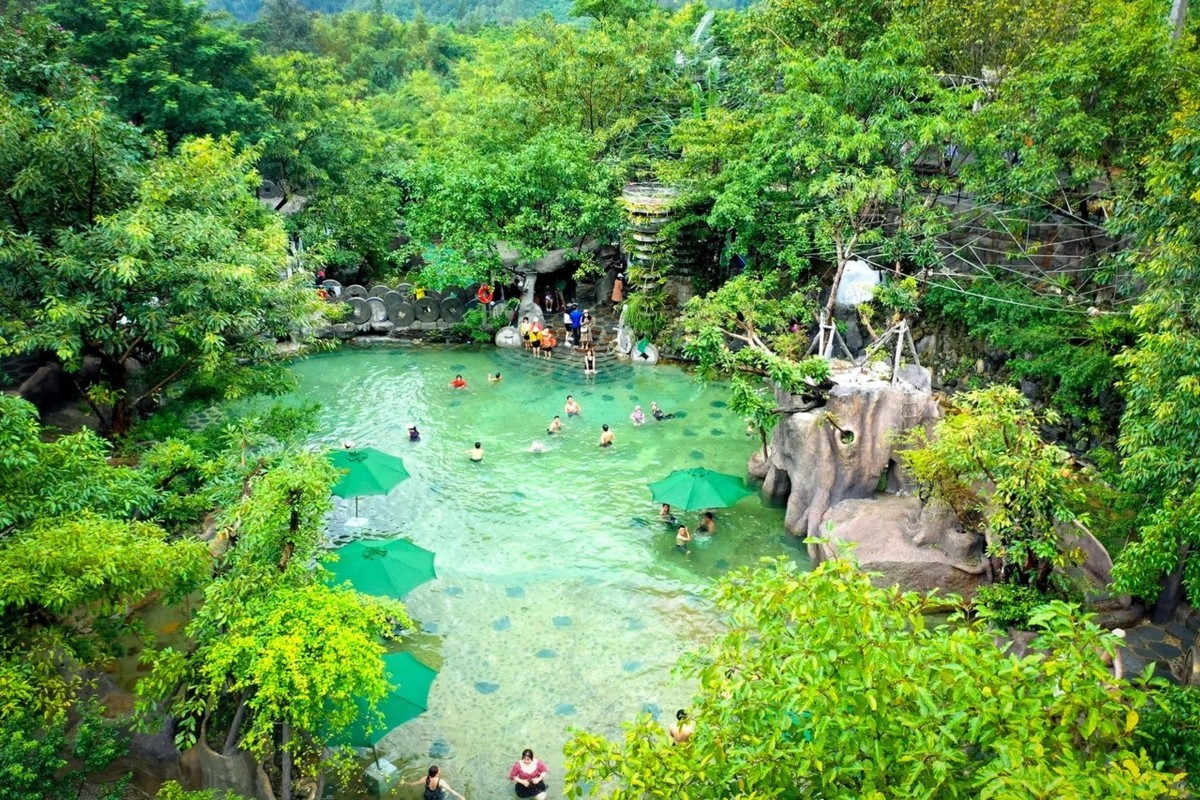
(285, 782)
(762, 434)
(116, 381)
(1172, 592)
(231, 738)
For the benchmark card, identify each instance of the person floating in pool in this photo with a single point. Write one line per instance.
(493, 378)
(458, 382)
(555, 426)
(708, 524)
(665, 514)
(638, 417)
(683, 537)
(682, 728)
(606, 437)
(476, 452)
(529, 776)
(414, 435)
(571, 409)
(658, 414)
(435, 787)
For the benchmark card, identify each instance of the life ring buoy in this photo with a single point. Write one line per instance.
(484, 294)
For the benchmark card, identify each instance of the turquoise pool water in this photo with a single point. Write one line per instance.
(561, 600)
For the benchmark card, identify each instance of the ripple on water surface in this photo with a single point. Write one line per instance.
(561, 600)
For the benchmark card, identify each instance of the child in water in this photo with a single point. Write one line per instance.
(638, 417)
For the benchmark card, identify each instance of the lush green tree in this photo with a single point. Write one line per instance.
(1160, 429)
(284, 26)
(181, 287)
(989, 464)
(744, 332)
(170, 69)
(826, 172)
(33, 756)
(825, 686)
(64, 159)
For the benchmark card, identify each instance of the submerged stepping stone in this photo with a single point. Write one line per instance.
(653, 709)
(629, 385)
(545, 653)
(715, 415)
(485, 687)
(515, 591)
(458, 367)
(721, 564)
(633, 398)
(453, 591)
(636, 624)
(718, 404)
(689, 433)
(717, 432)
(631, 666)
(564, 710)
(696, 455)
(680, 415)
(440, 749)
(430, 627)
(517, 495)
(562, 622)
(502, 624)
(454, 403)
(592, 580)
(608, 398)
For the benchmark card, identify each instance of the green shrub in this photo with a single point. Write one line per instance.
(1007, 605)
(473, 327)
(1170, 729)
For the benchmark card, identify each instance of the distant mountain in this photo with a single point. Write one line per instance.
(435, 10)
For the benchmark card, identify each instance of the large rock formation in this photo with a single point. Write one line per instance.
(845, 449)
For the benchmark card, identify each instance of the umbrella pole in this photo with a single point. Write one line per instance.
(356, 505)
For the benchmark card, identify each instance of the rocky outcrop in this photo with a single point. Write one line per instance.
(921, 548)
(46, 388)
(845, 449)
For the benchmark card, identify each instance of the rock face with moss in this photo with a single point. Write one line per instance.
(844, 450)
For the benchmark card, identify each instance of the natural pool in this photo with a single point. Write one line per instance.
(561, 600)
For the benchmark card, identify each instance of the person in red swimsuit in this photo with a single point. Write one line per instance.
(458, 382)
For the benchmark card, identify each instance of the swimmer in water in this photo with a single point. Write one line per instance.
(458, 382)
(638, 417)
(606, 437)
(665, 514)
(682, 537)
(493, 378)
(476, 453)
(414, 435)
(657, 413)
(708, 524)
(537, 447)
(572, 409)
(555, 426)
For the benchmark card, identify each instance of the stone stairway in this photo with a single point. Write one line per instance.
(567, 362)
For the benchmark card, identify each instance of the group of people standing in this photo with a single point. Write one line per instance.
(540, 338)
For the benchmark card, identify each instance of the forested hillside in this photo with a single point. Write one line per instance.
(917, 139)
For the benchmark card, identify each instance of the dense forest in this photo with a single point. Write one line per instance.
(412, 139)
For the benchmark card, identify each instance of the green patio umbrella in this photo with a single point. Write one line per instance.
(368, 471)
(694, 489)
(408, 699)
(386, 568)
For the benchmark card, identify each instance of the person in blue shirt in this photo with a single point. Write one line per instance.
(576, 322)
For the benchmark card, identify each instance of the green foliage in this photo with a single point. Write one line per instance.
(791, 703)
(184, 280)
(473, 327)
(33, 755)
(171, 790)
(1008, 605)
(169, 69)
(988, 463)
(1068, 353)
(1170, 729)
(1160, 430)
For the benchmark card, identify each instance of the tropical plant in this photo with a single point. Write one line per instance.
(988, 462)
(825, 686)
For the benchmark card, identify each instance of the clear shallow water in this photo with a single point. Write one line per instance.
(561, 600)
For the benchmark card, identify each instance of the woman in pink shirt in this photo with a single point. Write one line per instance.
(529, 776)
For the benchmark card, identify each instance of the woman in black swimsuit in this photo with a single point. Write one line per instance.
(435, 787)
